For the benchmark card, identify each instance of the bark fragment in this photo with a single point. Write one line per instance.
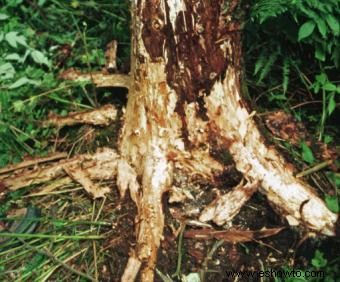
(225, 208)
(99, 166)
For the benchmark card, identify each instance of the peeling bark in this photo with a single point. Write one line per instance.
(224, 208)
(186, 98)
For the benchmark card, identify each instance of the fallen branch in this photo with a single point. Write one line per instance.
(83, 168)
(102, 116)
(99, 79)
(32, 162)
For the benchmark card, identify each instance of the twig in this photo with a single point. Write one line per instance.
(314, 168)
(35, 161)
(305, 103)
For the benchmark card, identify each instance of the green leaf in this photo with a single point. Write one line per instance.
(307, 154)
(22, 81)
(331, 104)
(18, 106)
(328, 86)
(306, 30)
(320, 53)
(13, 39)
(7, 71)
(321, 27)
(319, 260)
(40, 58)
(3, 16)
(285, 74)
(332, 203)
(268, 65)
(322, 77)
(41, 3)
(333, 23)
(13, 57)
(327, 139)
(14, 3)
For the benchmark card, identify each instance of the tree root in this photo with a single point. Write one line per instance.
(236, 128)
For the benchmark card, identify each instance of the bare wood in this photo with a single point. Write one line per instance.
(99, 79)
(260, 162)
(102, 116)
(187, 97)
(99, 166)
(224, 208)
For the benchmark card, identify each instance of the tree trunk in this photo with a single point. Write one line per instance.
(186, 100)
(184, 106)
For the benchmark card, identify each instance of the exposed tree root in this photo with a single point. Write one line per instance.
(236, 128)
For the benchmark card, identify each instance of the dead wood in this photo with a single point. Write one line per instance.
(82, 168)
(224, 208)
(32, 162)
(102, 116)
(99, 79)
(184, 103)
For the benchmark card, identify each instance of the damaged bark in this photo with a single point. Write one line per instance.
(186, 98)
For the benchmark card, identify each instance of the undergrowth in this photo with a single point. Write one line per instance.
(38, 39)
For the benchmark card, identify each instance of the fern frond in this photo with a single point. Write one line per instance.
(260, 62)
(267, 67)
(265, 9)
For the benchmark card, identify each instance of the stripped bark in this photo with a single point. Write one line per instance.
(186, 97)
